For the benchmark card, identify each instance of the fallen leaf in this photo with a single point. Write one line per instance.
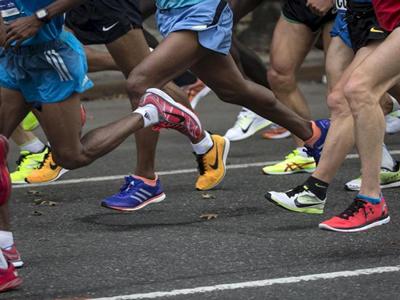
(39, 201)
(208, 217)
(37, 213)
(207, 196)
(52, 203)
(33, 192)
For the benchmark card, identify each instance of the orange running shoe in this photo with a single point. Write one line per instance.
(275, 132)
(196, 92)
(49, 171)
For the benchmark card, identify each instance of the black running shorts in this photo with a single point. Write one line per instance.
(296, 11)
(362, 25)
(103, 21)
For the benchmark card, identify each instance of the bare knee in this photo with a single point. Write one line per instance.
(337, 104)
(281, 80)
(359, 95)
(137, 84)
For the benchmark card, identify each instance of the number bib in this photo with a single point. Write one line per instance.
(8, 9)
(341, 4)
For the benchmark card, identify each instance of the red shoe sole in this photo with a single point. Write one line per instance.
(13, 284)
(5, 181)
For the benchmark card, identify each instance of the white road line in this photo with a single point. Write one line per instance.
(162, 173)
(256, 284)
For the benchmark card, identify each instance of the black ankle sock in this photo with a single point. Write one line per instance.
(318, 187)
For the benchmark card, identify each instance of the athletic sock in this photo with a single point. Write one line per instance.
(149, 114)
(3, 262)
(371, 200)
(6, 239)
(387, 160)
(318, 187)
(316, 134)
(151, 182)
(204, 145)
(33, 146)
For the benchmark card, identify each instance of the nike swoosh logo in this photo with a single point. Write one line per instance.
(248, 127)
(300, 205)
(53, 166)
(373, 29)
(110, 27)
(216, 163)
(180, 118)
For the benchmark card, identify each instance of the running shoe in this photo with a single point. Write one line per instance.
(48, 171)
(275, 132)
(173, 115)
(196, 92)
(299, 199)
(12, 256)
(212, 165)
(27, 163)
(316, 149)
(5, 181)
(361, 215)
(389, 179)
(30, 122)
(134, 195)
(9, 279)
(247, 124)
(295, 162)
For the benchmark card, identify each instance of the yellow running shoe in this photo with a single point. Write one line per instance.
(212, 165)
(295, 162)
(47, 172)
(26, 164)
(30, 122)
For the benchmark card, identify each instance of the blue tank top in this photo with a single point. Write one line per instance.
(166, 4)
(14, 9)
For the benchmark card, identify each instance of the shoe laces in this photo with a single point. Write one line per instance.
(353, 209)
(46, 160)
(128, 185)
(292, 154)
(22, 159)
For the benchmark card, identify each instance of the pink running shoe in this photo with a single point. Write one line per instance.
(173, 115)
(5, 181)
(12, 256)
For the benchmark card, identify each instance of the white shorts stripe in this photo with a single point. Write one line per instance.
(52, 63)
(62, 64)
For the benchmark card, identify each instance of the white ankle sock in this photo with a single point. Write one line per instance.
(149, 113)
(204, 145)
(6, 239)
(387, 160)
(34, 146)
(302, 151)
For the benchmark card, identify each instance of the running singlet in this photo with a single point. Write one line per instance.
(341, 5)
(388, 13)
(14, 9)
(166, 4)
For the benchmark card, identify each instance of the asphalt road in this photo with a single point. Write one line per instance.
(77, 249)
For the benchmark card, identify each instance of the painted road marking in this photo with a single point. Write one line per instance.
(256, 284)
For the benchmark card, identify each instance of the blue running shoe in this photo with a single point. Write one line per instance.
(316, 149)
(134, 195)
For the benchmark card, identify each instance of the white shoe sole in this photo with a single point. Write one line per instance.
(156, 199)
(200, 95)
(284, 135)
(383, 186)
(290, 173)
(374, 224)
(62, 172)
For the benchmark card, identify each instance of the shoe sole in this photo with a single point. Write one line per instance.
(310, 210)
(290, 173)
(196, 99)
(383, 186)
(17, 263)
(62, 172)
(13, 284)
(366, 227)
(278, 136)
(249, 133)
(5, 180)
(155, 199)
(224, 158)
(175, 104)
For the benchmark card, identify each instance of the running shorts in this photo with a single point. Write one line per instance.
(104, 21)
(363, 24)
(296, 11)
(46, 73)
(211, 19)
(340, 28)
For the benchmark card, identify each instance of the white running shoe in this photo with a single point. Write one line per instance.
(393, 122)
(247, 124)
